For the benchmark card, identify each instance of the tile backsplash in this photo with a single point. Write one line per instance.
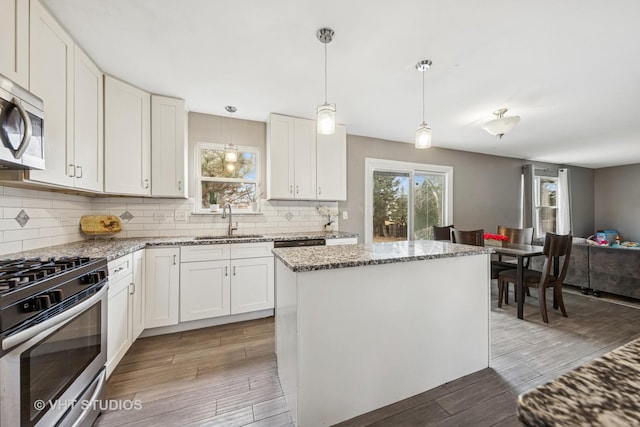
(32, 218)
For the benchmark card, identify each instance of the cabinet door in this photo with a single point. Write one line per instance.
(168, 147)
(204, 290)
(331, 163)
(88, 120)
(162, 290)
(119, 337)
(137, 294)
(280, 157)
(305, 159)
(251, 284)
(14, 33)
(127, 144)
(51, 78)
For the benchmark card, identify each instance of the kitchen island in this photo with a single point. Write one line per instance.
(359, 327)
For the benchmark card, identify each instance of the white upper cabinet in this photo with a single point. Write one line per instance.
(51, 78)
(127, 143)
(331, 169)
(302, 165)
(88, 138)
(168, 147)
(14, 33)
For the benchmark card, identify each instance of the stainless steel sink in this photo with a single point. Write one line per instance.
(233, 236)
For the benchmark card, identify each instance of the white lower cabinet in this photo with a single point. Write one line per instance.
(219, 280)
(251, 284)
(137, 294)
(119, 310)
(205, 288)
(162, 290)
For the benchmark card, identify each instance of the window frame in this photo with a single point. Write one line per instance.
(539, 234)
(384, 165)
(199, 179)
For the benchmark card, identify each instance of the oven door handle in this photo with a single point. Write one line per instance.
(55, 321)
(89, 408)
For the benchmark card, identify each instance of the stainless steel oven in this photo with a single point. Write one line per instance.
(21, 127)
(52, 364)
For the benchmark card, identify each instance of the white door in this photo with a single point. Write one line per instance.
(204, 290)
(51, 78)
(88, 120)
(14, 33)
(137, 294)
(305, 159)
(119, 319)
(280, 157)
(127, 142)
(162, 286)
(168, 147)
(251, 284)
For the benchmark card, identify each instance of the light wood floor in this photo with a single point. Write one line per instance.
(226, 375)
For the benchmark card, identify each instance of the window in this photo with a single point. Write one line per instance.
(234, 183)
(546, 204)
(404, 200)
(546, 200)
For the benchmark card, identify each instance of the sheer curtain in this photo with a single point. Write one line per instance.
(564, 202)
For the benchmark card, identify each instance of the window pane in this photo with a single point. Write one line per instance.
(547, 220)
(428, 205)
(214, 166)
(390, 201)
(238, 194)
(548, 192)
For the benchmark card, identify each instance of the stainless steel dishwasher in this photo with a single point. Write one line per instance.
(298, 243)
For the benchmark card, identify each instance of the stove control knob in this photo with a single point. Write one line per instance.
(55, 296)
(42, 302)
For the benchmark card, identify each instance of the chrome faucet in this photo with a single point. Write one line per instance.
(224, 215)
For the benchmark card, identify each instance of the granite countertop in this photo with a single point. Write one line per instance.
(603, 392)
(114, 248)
(341, 256)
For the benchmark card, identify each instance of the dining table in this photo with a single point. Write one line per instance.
(520, 252)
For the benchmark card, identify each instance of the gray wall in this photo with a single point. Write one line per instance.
(617, 200)
(486, 189)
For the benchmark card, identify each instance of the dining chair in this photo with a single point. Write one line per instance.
(520, 236)
(468, 237)
(557, 249)
(442, 233)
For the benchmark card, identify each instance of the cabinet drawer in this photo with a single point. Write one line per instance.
(116, 286)
(120, 267)
(204, 252)
(251, 250)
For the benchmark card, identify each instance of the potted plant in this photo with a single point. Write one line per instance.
(213, 202)
(255, 206)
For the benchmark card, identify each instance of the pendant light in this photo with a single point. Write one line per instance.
(326, 112)
(423, 133)
(230, 150)
(501, 124)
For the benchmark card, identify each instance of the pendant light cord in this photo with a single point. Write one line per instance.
(325, 73)
(423, 96)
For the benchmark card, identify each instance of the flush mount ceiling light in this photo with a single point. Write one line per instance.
(501, 124)
(326, 112)
(230, 150)
(423, 133)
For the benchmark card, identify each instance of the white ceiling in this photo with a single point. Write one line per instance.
(570, 69)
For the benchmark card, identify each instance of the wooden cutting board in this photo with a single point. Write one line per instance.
(100, 224)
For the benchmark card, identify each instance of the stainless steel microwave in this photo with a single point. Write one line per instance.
(21, 127)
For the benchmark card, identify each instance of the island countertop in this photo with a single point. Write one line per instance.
(330, 257)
